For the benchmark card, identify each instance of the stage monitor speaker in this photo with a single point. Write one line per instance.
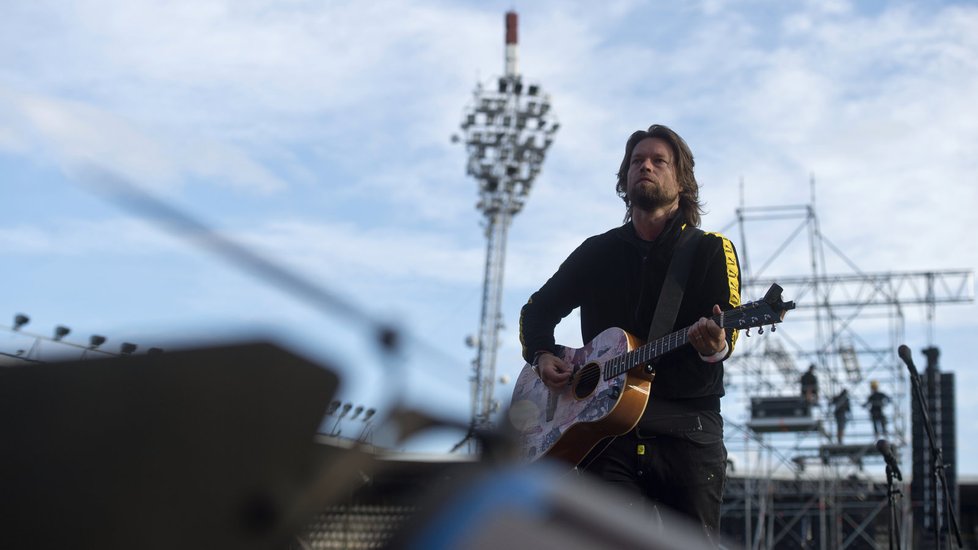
(202, 448)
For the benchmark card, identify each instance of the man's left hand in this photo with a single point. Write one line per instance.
(707, 336)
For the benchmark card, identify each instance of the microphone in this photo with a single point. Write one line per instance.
(884, 448)
(904, 353)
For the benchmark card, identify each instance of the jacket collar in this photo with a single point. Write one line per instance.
(664, 242)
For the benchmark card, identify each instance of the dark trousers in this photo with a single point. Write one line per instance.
(879, 423)
(684, 470)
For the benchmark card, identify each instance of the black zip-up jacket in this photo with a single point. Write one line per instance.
(615, 278)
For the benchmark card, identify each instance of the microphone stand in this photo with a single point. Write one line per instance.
(937, 462)
(891, 493)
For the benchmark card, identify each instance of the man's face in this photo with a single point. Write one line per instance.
(652, 175)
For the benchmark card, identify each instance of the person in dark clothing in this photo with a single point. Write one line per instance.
(876, 401)
(840, 407)
(809, 385)
(675, 456)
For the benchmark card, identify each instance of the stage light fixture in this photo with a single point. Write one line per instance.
(95, 341)
(60, 332)
(127, 348)
(20, 320)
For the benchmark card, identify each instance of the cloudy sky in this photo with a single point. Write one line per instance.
(317, 134)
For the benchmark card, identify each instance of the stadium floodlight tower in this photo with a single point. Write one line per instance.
(507, 130)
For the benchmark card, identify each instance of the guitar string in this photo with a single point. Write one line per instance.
(616, 366)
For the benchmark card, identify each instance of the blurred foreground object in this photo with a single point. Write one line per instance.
(539, 506)
(203, 448)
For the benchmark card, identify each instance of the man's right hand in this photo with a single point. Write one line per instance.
(554, 371)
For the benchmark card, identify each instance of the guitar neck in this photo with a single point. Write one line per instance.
(650, 351)
(768, 311)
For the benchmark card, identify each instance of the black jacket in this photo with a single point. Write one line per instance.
(615, 278)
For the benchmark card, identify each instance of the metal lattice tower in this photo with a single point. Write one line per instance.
(507, 130)
(847, 322)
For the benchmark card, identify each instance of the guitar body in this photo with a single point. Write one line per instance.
(567, 424)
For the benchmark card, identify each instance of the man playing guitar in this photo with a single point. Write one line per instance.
(674, 455)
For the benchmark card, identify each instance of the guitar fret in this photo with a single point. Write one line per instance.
(645, 354)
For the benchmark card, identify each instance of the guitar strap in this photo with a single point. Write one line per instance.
(666, 311)
(671, 294)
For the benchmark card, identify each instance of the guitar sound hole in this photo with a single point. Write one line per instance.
(587, 380)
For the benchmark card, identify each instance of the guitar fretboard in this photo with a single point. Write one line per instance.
(645, 354)
(770, 311)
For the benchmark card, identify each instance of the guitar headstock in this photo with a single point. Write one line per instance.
(769, 310)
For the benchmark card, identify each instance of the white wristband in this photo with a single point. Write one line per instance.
(716, 357)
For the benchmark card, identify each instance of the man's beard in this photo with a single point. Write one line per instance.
(649, 197)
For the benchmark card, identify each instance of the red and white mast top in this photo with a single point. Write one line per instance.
(511, 23)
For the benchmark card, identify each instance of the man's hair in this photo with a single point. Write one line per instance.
(682, 158)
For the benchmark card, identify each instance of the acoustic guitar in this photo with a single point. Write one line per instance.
(609, 386)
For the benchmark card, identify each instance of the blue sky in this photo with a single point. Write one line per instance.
(318, 134)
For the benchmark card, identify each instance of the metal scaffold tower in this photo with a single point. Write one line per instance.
(847, 324)
(507, 130)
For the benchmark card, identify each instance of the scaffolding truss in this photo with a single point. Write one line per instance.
(848, 323)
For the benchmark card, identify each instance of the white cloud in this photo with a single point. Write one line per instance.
(71, 133)
(344, 252)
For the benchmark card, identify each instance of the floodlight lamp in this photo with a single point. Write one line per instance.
(533, 89)
(127, 348)
(60, 332)
(95, 341)
(20, 320)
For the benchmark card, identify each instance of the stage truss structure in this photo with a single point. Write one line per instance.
(849, 324)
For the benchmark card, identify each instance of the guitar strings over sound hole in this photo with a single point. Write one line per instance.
(587, 380)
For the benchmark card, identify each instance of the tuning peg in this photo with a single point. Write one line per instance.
(760, 330)
(774, 328)
(747, 332)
